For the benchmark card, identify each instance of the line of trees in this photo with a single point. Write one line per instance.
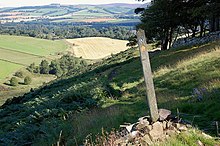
(59, 67)
(165, 20)
(56, 31)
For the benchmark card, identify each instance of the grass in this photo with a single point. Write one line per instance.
(9, 92)
(32, 46)
(19, 57)
(96, 47)
(19, 51)
(7, 68)
(60, 108)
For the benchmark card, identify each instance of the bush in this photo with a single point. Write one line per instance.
(27, 80)
(14, 81)
(19, 74)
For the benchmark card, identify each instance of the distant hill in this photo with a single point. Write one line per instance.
(116, 12)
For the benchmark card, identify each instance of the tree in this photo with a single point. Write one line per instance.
(44, 67)
(19, 74)
(14, 81)
(31, 68)
(160, 21)
(55, 68)
(27, 80)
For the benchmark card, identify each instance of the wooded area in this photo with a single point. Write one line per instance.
(165, 20)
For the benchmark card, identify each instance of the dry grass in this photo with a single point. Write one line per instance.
(96, 47)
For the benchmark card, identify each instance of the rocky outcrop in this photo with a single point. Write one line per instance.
(197, 40)
(145, 132)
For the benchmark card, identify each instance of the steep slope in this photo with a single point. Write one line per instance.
(113, 91)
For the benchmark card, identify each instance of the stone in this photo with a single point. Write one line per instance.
(157, 132)
(170, 132)
(164, 125)
(147, 140)
(142, 124)
(199, 143)
(206, 135)
(183, 128)
(163, 114)
(130, 128)
(176, 125)
(119, 141)
(189, 126)
(169, 123)
(149, 128)
(144, 118)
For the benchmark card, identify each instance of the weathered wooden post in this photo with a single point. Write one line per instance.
(151, 96)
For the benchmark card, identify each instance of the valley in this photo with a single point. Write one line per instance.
(71, 13)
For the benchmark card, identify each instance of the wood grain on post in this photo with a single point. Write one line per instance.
(151, 96)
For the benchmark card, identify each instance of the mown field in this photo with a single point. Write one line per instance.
(96, 47)
(7, 68)
(112, 92)
(18, 51)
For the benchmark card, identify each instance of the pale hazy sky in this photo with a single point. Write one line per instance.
(13, 3)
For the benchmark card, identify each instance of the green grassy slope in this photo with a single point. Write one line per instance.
(32, 45)
(18, 51)
(114, 92)
(7, 67)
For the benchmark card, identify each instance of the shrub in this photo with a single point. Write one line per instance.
(14, 81)
(19, 74)
(27, 80)
(44, 67)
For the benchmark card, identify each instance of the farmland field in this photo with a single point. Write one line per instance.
(32, 45)
(7, 68)
(18, 51)
(96, 47)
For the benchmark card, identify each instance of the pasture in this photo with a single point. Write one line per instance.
(18, 51)
(6, 68)
(96, 47)
(31, 45)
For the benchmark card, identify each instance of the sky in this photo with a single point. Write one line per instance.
(16, 3)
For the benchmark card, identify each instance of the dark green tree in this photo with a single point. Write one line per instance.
(161, 20)
(14, 81)
(19, 74)
(44, 67)
(55, 68)
(27, 80)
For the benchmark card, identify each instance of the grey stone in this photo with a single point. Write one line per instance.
(142, 124)
(157, 132)
(129, 128)
(163, 114)
(182, 128)
(199, 143)
(146, 140)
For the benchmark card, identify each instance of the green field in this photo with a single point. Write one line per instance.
(7, 68)
(33, 46)
(18, 51)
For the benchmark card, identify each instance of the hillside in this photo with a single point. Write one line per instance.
(96, 47)
(112, 92)
(70, 13)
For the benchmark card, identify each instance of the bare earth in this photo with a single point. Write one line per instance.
(96, 47)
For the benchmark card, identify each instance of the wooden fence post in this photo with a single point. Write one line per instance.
(151, 96)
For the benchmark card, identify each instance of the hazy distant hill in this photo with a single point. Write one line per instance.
(116, 12)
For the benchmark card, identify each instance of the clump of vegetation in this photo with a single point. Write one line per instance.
(67, 64)
(14, 81)
(27, 80)
(44, 67)
(19, 74)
